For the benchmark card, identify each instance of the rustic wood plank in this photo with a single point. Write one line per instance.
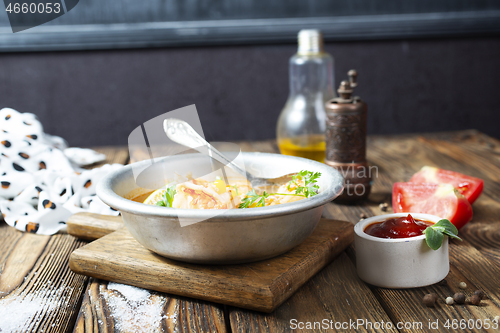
(397, 158)
(485, 237)
(246, 146)
(260, 286)
(405, 305)
(110, 307)
(403, 156)
(21, 253)
(335, 294)
(38, 291)
(90, 226)
(269, 146)
(466, 137)
(483, 273)
(113, 154)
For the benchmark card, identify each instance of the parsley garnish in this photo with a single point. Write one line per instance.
(252, 197)
(434, 234)
(168, 197)
(309, 189)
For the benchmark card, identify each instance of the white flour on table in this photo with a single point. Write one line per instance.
(134, 309)
(17, 312)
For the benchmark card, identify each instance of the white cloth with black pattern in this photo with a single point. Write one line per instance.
(41, 182)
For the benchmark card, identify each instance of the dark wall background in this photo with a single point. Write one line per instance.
(98, 97)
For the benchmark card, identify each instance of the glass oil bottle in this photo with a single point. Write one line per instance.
(302, 122)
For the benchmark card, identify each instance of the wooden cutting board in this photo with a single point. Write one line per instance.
(260, 286)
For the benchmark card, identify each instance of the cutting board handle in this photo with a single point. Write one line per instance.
(90, 226)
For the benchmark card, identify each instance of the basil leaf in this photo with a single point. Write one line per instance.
(451, 235)
(447, 225)
(433, 238)
(438, 228)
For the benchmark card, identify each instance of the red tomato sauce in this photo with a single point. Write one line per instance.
(402, 227)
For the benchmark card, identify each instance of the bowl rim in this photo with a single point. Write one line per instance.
(359, 228)
(106, 194)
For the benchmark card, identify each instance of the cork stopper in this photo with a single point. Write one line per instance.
(310, 42)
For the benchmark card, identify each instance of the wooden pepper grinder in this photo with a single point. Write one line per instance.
(346, 140)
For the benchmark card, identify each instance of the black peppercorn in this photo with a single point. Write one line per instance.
(430, 299)
(459, 298)
(480, 293)
(475, 299)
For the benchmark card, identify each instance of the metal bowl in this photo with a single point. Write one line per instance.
(233, 236)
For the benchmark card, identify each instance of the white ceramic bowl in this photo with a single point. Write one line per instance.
(402, 262)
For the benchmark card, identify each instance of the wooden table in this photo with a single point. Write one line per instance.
(35, 279)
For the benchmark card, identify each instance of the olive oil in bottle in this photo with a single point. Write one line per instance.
(307, 146)
(302, 122)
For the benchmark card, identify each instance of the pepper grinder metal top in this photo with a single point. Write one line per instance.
(346, 140)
